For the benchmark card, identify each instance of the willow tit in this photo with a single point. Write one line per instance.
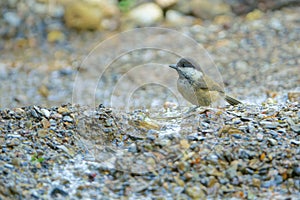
(198, 88)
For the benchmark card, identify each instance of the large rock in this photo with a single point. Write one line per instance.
(166, 3)
(208, 9)
(91, 14)
(183, 6)
(146, 14)
(176, 18)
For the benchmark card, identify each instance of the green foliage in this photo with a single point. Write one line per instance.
(125, 5)
(35, 158)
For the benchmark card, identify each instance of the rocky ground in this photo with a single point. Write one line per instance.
(243, 152)
(110, 124)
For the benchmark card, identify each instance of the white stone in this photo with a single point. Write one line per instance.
(45, 112)
(146, 14)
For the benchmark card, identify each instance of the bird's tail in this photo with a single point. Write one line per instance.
(231, 100)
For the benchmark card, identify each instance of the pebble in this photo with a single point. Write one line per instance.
(296, 142)
(12, 18)
(296, 170)
(166, 3)
(56, 192)
(45, 112)
(269, 125)
(34, 113)
(132, 148)
(67, 119)
(260, 137)
(296, 128)
(9, 166)
(206, 9)
(273, 133)
(272, 141)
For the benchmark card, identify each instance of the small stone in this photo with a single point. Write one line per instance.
(268, 184)
(254, 15)
(294, 96)
(63, 110)
(233, 130)
(195, 137)
(13, 142)
(262, 156)
(269, 125)
(208, 9)
(242, 65)
(184, 144)
(166, 3)
(256, 182)
(195, 192)
(277, 25)
(19, 111)
(260, 137)
(212, 181)
(56, 116)
(296, 142)
(237, 136)
(224, 20)
(282, 131)
(42, 133)
(65, 149)
(13, 136)
(44, 91)
(12, 18)
(45, 112)
(34, 113)
(246, 119)
(176, 18)
(16, 162)
(179, 181)
(28, 124)
(9, 166)
(278, 179)
(55, 36)
(56, 192)
(296, 128)
(45, 123)
(273, 133)
(297, 184)
(272, 141)
(132, 148)
(231, 171)
(149, 124)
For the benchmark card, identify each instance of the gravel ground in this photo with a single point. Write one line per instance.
(74, 152)
(250, 151)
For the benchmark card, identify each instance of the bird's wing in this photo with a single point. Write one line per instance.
(207, 83)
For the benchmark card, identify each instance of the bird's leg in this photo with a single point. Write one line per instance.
(194, 110)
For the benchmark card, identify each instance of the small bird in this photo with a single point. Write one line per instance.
(197, 87)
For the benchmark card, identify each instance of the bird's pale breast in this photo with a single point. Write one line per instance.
(196, 96)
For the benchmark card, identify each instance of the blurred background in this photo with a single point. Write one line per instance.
(43, 43)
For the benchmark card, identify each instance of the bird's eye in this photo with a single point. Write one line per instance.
(188, 65)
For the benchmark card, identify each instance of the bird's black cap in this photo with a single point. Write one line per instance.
(184, 62)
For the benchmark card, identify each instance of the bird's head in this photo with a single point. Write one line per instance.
(186, 68)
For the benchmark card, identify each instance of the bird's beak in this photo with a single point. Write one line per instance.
(173, 66)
